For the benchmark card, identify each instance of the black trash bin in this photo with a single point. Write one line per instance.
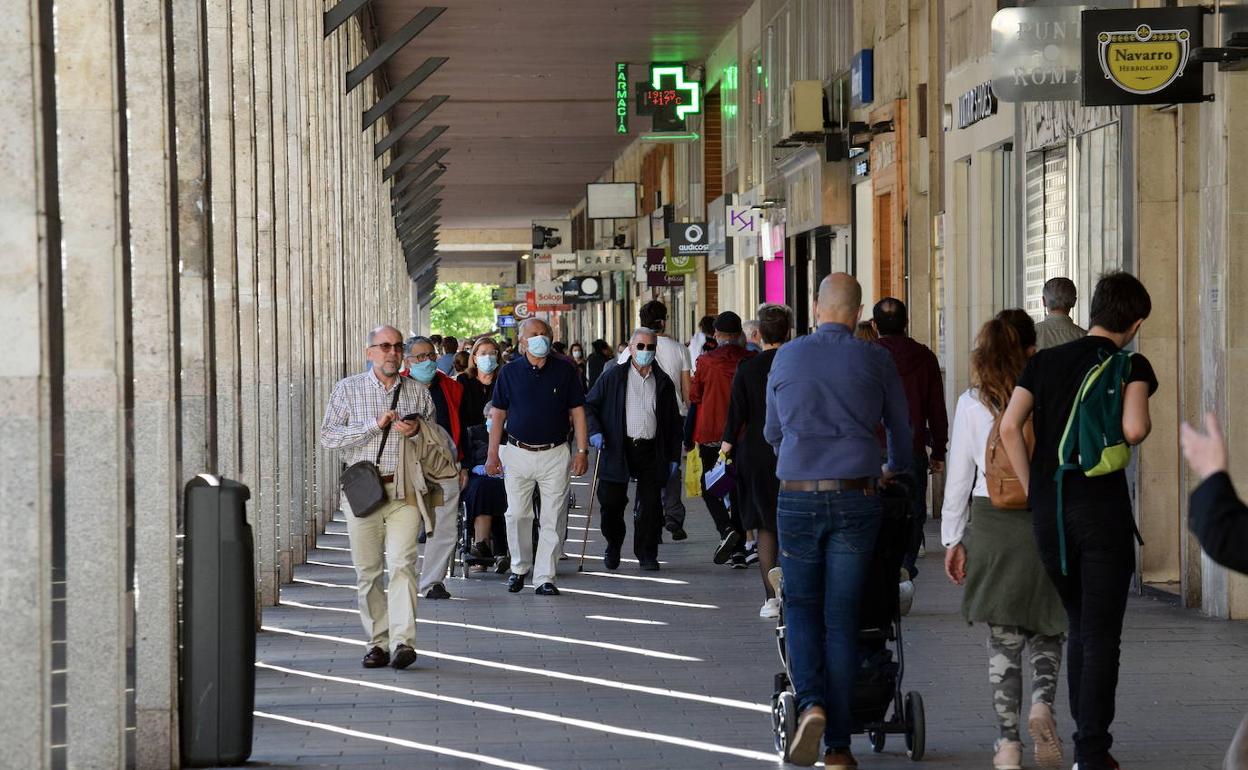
(216, 663)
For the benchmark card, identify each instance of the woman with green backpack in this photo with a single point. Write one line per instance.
(987, 530)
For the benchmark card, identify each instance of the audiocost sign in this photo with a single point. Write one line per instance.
(1141, 56)
(689, 239)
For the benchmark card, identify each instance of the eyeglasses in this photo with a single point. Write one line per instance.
(648, 346)
(386, 347)
(420, 358)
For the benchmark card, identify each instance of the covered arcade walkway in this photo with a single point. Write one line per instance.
(671, 670)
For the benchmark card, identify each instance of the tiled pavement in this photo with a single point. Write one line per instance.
(686, 689)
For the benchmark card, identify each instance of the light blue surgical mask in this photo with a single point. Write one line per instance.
(487, 364)
(424, 371)
(644, 357)
(539, 346)
(489, 424)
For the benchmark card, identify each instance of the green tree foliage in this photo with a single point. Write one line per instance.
(462, 309)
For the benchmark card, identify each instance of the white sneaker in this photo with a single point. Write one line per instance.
(922, 550)
(905, 596)
(770, 609)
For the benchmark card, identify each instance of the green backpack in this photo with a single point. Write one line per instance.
(1092, 442)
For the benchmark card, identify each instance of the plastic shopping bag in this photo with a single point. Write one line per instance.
(693, 473)
(721, 479)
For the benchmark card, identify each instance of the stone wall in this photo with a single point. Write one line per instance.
(197, 240)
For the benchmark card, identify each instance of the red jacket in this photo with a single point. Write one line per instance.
(453, 392)
(711, 390)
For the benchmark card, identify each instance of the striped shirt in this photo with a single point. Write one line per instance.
(639, 404)
(350, 423)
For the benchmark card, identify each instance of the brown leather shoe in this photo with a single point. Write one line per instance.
(376, 658)
(404, 656)
(841, 759)
(808, 737)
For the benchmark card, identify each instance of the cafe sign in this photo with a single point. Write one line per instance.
(1141, 56)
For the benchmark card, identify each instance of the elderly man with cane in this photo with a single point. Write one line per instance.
(634, 422)
(536, 398)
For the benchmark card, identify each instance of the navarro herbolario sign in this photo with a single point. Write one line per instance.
(1141, 56)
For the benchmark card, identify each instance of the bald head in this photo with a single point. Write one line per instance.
(533, 327)
(839, 300)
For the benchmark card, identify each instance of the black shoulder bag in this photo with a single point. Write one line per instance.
(361, 482)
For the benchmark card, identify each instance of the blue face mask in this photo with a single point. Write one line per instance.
(644, 357)
(424, 371)
(487, 364)
(539, 346)
(489, 425)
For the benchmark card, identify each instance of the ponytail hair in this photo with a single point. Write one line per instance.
(996, 363)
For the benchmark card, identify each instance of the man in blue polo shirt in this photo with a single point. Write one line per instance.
(536, 398)
(826, 395)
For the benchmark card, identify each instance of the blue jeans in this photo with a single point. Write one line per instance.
(826, 541)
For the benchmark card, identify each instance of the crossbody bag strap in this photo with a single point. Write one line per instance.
(385, 433)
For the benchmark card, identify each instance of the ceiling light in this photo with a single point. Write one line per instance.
(524, 256)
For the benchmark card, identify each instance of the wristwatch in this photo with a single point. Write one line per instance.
(583, 451)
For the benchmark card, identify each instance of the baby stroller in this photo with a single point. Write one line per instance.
(880, 651)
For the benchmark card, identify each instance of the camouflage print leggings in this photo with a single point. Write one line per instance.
(1005, 672)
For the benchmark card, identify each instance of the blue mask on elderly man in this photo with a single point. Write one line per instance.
(644, 357)
(424, 371)
(539, 346)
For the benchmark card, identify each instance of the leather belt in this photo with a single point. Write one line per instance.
(533, 447)
(388, 479)
(640, 441)
(864, 484)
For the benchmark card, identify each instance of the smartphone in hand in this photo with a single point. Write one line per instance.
(413, 417)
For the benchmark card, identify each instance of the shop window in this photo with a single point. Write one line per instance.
(1004, 272)
(1074, 216)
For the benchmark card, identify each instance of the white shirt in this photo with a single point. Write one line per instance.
(964, 476)
(695, 350)
(672, 358)
(642, 394)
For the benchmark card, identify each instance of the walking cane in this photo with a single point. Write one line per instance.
(589, 509)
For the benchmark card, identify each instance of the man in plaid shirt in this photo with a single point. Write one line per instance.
(357, 415)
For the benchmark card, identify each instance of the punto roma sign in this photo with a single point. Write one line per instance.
(1141, 56)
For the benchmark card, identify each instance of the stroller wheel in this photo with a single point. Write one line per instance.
(916, 726)
(784, 721)
(877, 738)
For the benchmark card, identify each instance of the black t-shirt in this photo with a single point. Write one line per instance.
(1053, 377)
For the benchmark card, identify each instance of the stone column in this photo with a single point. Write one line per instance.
(30, 241)
(197, 399)
(91, 157)
(267, 511)
(148, 97)
(223, 256)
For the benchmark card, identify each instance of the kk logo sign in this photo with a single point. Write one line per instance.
(1141, 56)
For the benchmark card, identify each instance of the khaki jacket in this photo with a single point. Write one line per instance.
(426, 460)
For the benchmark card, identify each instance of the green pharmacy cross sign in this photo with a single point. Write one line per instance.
(668, 98)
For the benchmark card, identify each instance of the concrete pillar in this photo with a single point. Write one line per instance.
(224, 259)
(93, 200)
(266, 356)
(197, 402)
(30, 242)
(154, 376)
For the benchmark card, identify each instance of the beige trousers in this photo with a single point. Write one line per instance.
(386, 537)
(549, 471)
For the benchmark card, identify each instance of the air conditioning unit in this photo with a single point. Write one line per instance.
(802, 120)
